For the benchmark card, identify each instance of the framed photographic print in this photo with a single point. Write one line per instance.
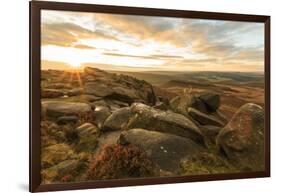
(123, 96)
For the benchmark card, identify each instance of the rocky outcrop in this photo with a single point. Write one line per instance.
(164, 149)
(207, 102)
(242, 139)
(149, 118)
(182, 102)
(98, 89)
(118, 87)
(107, 119)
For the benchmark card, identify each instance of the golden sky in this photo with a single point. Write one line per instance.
(143, 43)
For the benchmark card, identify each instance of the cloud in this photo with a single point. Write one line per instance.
(141, 26)
(68, 34)
(82, 46)
(167, 42)
(249, 54)
(214, 38)
(155, 56)
(167, 56)
(127, 55)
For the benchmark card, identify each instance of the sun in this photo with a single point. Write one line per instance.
(75, 64)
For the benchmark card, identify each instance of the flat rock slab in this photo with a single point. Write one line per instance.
(204, 119)
(60, 108)
(164, 149)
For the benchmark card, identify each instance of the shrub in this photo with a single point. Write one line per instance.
(117, 161)
(51, 133)
(206, 163)
(71, 135)
(67, 178)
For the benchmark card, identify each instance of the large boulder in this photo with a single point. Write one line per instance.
(61, 108)
(242, 139)
(204, 119)
(117, 120)
(87, 129)
(100, 114)
(211, 100)
(87, 138)
(182, 102)
(149, 118)
(164, 149)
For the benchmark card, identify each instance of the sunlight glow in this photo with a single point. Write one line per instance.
(75, 64)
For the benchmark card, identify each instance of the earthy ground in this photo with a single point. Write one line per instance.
(110, 125)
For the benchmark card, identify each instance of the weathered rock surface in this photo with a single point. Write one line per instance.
(51, 93)
(98, 89)
(164, 149)
(242, 139)
(210, 132)
(75, 92)
(181, 103)
(87, 129)
(58, 86)
(95, 72)
(100, 115)
(67, 119)
(204, 119)
(61, 108)
(161, 106)
(149, 118)
(118, 87)
(117, 120)
(211, 100)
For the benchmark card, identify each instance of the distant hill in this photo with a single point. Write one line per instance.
(162, 77)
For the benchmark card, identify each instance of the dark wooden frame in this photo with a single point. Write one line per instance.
(34, 177)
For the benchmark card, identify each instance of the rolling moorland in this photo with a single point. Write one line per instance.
(99, 125)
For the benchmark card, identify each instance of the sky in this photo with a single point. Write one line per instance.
(145, 43)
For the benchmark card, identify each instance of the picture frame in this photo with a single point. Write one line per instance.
(35, 97)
